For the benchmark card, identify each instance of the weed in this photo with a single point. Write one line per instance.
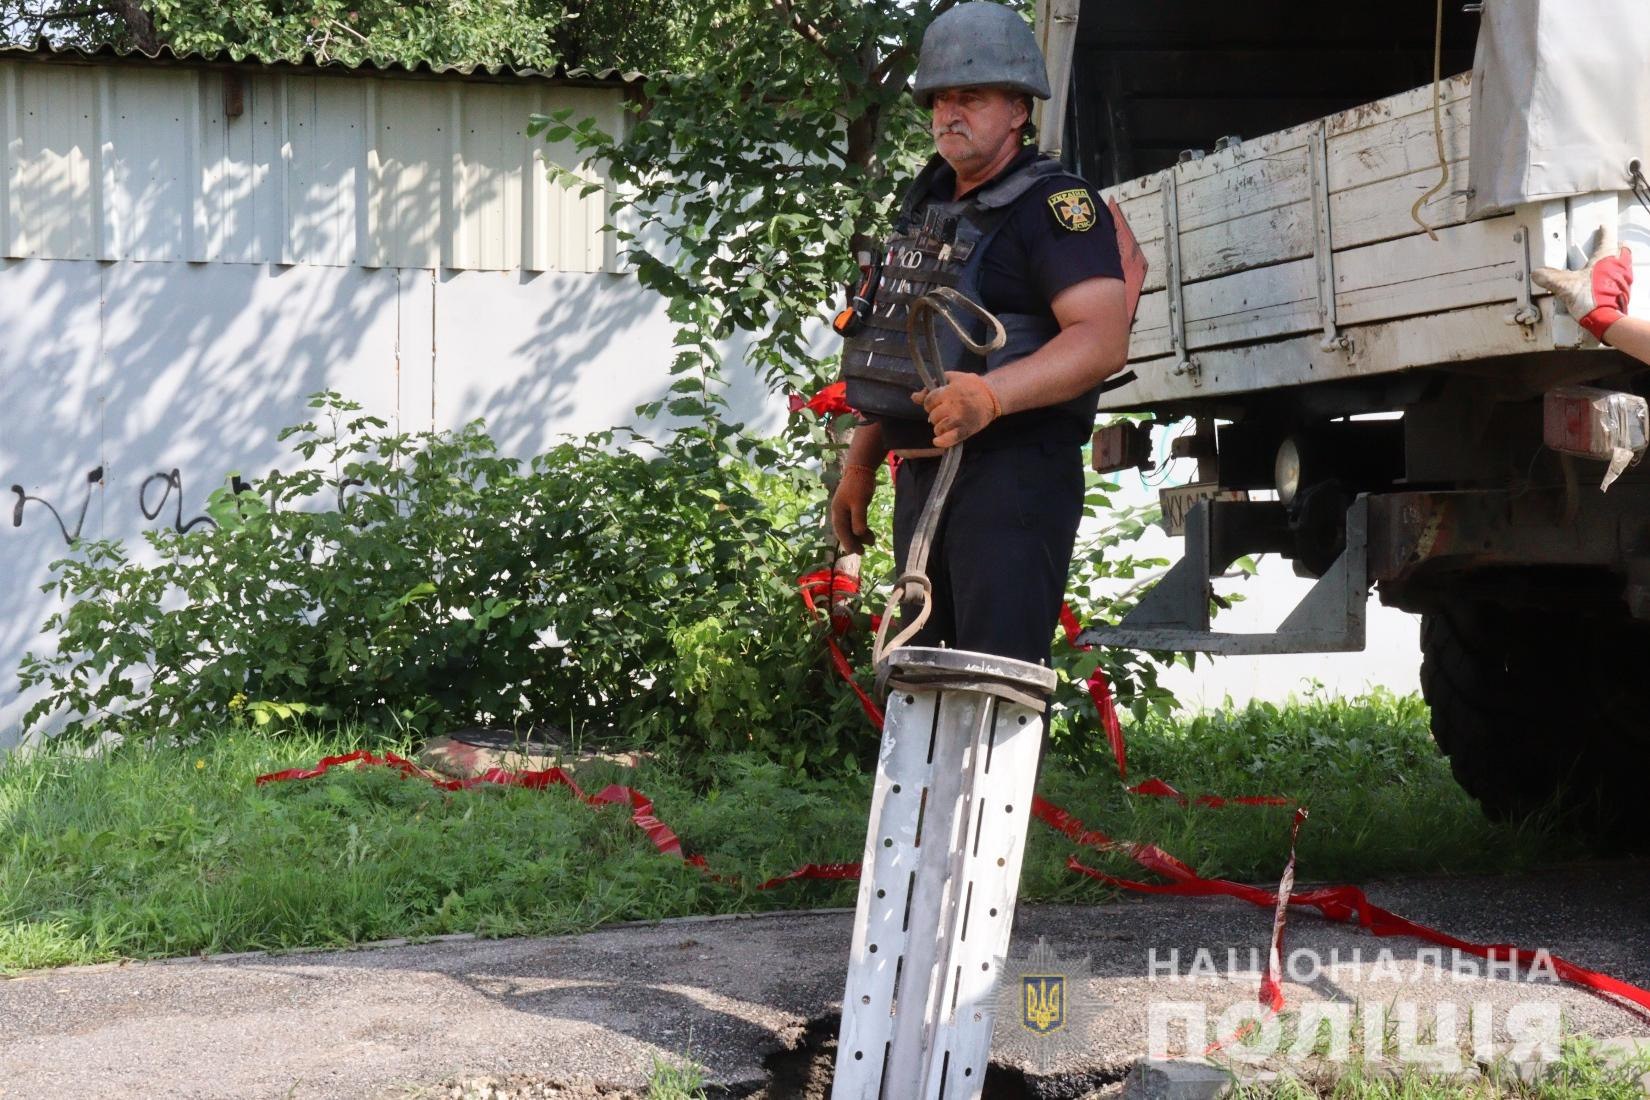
(1584, 1071)
(146, 851)
(683, 1080)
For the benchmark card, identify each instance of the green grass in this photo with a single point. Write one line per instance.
(676, 1081)
(1380, 797)
(142, 852)
(1583, 1072)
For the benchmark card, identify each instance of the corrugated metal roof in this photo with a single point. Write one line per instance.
(42, 50)
(184, 159)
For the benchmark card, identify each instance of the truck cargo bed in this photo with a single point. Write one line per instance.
(1293, 258)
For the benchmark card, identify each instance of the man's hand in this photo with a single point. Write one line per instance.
(853, 495)
(1596, 296)
(960, 408)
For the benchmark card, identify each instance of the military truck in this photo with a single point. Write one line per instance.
(1339, 324)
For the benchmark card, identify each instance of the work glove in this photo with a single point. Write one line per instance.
(853, 495)
(1596, 296)
(960, 408)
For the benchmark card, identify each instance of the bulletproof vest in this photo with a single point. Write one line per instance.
(938, 243)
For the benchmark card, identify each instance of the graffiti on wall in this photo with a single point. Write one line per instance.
(93, 479)
(153, 494)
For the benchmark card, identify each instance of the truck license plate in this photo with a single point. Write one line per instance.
(1177, 500)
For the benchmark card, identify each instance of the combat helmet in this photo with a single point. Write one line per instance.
(980, 42)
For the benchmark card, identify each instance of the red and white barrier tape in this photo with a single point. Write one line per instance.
(642, 813)
(831, 584)
(1337, 903)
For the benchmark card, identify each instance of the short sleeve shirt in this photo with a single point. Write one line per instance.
(1041, 249)
(1046, 244)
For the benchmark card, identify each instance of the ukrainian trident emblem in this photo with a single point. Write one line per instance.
(1051, 1006)
(1044, 1009)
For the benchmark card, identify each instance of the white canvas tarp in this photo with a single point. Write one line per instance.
(1560, 99)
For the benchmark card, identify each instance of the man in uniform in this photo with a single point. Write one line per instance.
(1033, 245)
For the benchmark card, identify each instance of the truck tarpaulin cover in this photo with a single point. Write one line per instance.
(1560, 99)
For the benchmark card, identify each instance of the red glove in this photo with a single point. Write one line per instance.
(1596, 296)
(853, 495)
(960, 408)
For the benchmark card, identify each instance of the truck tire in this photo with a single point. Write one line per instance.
(1538, 712)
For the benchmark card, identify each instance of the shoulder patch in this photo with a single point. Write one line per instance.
(1073, 209)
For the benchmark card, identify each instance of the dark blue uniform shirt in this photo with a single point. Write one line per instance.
(1033, 257)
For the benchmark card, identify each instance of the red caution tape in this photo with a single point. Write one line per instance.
(832, 400)
(1337, 903)
(1271, 983)
(833, 584)
(641, 807)
(1099, 688)
(815, 871)
(1157, 788)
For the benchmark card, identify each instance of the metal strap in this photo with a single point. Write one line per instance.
(1324, 250)
(1173, 278)
(913, 584)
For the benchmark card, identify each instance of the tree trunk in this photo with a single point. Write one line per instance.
(864, 133)
(139, 24)
(568, 37)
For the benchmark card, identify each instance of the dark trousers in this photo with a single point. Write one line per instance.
(1000, 557)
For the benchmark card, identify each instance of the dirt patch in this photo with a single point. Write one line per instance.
(514, 1086)
(804, 1072)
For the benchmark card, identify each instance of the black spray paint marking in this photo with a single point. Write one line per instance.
(169, 480)
(173, 480)
(93, 478)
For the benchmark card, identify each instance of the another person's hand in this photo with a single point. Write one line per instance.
(848, 504)
(960, 408)
(1596, 296)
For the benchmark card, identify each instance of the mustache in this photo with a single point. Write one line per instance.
(954, 128)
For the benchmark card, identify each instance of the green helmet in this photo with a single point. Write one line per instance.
(980, 43)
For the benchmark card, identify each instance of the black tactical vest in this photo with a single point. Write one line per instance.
(938, 243)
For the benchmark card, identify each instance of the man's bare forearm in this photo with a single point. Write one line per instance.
(1092, 345)
(1071, 364)
(866, 447)
(1631, 335)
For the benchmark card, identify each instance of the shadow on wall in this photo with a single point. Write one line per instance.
(585, 364)
(164, 379)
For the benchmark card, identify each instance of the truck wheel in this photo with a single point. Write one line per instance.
(1535, 710)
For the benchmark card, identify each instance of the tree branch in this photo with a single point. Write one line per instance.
(804, 28)
(139, 24)
(40, 19)
(350, 30)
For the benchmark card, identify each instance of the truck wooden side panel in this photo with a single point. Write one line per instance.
(1252, 257)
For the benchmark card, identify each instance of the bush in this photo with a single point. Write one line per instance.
(397, 582)
(402, 581)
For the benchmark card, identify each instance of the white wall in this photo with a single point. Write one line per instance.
(142, 368)
(175, 279)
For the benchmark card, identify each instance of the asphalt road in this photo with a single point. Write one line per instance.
(591, 1012)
